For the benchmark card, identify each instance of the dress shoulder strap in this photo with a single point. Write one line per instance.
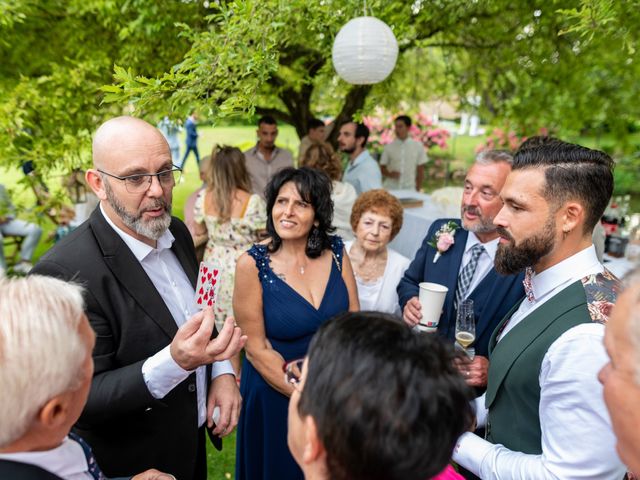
(261, 257)
(337, 250)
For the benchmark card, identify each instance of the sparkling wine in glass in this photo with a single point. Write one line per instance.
(466, 327)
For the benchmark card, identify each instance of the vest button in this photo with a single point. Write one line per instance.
(191, 387)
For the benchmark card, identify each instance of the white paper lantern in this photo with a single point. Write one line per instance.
(365, 51)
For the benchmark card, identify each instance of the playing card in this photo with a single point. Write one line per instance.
(208, 284)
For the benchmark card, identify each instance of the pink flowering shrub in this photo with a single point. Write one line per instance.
(500, 139)
(422, 130)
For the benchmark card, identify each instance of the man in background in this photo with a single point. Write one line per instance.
(362, 170)
(316, 132)
(170, 130)
(265, 159)
(191, 127)
(402, 161)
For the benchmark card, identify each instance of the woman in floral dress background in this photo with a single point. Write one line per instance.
(229, 218)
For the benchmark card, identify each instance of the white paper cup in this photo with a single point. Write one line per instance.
(431, 298)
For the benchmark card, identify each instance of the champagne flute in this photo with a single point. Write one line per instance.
(466, 327)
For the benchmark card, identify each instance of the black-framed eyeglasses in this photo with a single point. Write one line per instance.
(140, 182)
(293, 372)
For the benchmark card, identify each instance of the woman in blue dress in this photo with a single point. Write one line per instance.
(284, 290)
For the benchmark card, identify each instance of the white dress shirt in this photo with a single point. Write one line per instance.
(67, 460)
(485, 260)
(161, 372)
(577, 438)
(363, 172)
(403, 156)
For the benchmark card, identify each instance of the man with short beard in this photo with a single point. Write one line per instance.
(543, 409)
(466, 267)
(159, 375)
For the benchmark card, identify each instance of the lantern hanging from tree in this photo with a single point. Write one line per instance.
(365, 51)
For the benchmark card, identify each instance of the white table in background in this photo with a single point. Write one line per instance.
(415, 223)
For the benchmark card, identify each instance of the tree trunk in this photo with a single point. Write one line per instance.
(353, 102)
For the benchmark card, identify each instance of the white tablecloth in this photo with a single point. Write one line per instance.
(415, 224)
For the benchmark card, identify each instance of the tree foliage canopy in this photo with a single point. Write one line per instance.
(568, 65)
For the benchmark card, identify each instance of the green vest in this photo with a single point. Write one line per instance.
(513, 389)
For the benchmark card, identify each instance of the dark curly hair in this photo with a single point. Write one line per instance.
(314, 187)
(388, 403)
(381, 202)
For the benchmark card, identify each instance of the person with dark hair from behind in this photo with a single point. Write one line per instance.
(375, 401)
(362, 171)
(544, 410)
(316, 132)
(285, 288)
(45, 373)
(265, 159)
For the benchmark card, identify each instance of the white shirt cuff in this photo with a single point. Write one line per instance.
(481, 411)
(470, 451)
(222, 368)
(162, 374)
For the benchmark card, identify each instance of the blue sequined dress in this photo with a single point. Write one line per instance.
(290, 321)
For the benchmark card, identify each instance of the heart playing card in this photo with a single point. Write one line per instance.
(208, 284)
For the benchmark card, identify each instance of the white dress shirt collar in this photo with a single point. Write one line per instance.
(575, 267)
(67, 460)
(140, 249)
(490, 247)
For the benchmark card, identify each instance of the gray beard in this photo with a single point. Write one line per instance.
(152, 229)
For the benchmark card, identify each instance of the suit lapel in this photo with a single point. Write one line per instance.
(451, 264)
(127, 270)
(507, 351)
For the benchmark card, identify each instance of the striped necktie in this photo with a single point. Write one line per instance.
(466, 274)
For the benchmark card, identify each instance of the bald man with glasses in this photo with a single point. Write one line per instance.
(160, 369)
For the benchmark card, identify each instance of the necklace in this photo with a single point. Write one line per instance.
(301, 270)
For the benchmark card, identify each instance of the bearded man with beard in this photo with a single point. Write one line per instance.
(160, 369)
(466, 267)
(544, 410)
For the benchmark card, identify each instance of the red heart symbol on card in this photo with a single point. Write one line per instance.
(203, 278)
(200, 301)
(215, 272)
(205, 269)
(206, 296)
(214, 281)
(210, 302)
(209, 276)
(201, 291)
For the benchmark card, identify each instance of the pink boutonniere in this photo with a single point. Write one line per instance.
(443, 239)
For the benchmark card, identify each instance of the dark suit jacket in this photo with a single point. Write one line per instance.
(492, 298)
(23, 471)
(127, 428)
